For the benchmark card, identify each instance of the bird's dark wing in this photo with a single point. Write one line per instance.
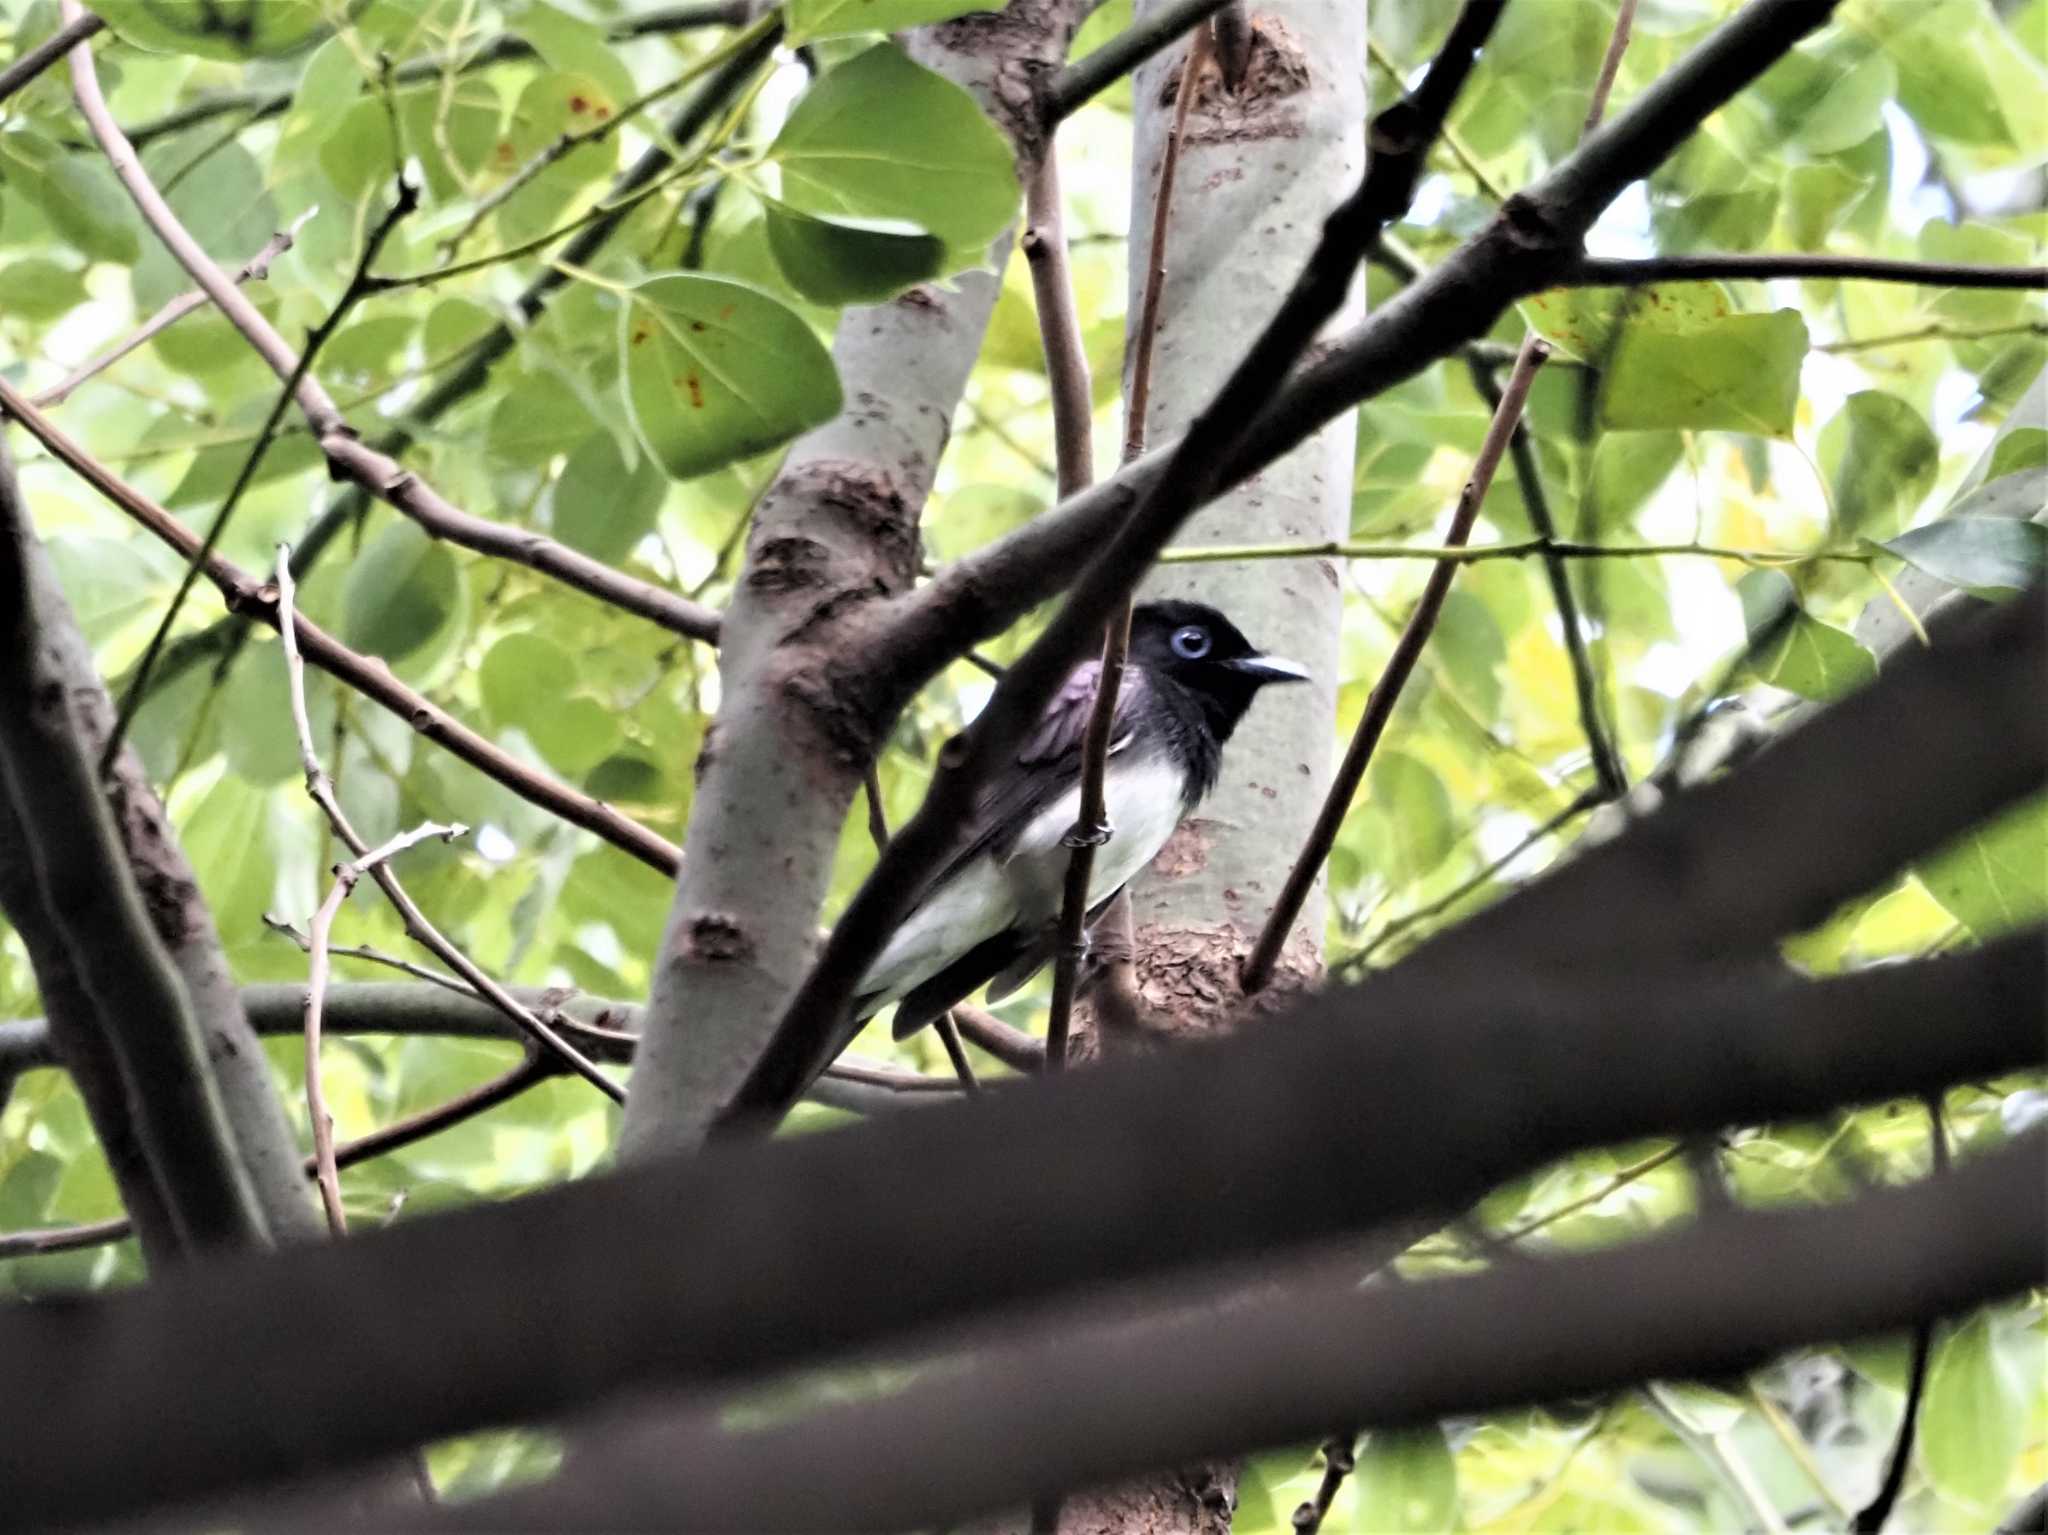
(1048, 764)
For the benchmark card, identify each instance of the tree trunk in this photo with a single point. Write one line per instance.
(836, 533)
(1260, 168)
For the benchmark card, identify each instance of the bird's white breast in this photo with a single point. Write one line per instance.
(1143, 796)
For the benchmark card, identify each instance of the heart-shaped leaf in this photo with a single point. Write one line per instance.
(716, 371)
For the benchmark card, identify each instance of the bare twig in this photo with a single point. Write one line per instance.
(1340, 1459)
(1610, 65)
(1379, 708)
(403, 203)
(1091, 825)
(1608, 272)
(320, 789)
(318, 935)
(369, 467)
(1013, 1047)
(259, 105)
(568, 143)
(74, 33)
(255, 269)
(1872, 1516)
(249, 598)
(222, 640)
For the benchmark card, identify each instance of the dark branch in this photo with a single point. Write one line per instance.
(1379, 707)
(1213, 1371)
(1241, 1149)
(1603, 272)
(1448, 306)
(260, 105)
(47, 52)
(137, 999)
(247, 597)
(1073, 87)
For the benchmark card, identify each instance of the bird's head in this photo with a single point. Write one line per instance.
(1194, 645)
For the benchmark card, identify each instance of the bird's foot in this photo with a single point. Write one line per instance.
(1088, 836)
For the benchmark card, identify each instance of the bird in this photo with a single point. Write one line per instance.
(989, 915)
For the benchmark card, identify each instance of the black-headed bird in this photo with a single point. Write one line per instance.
(990, 915)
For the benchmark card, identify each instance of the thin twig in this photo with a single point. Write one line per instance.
(247, 597)
(348, 457)
(508, 48)
(1450, 898)
(72, 34)
(318, 935)
(320, 789)
(1716, 266)
(1870, 1519)
(1379, 708)
(568, 143)
(1473, 554)
(1091, 824)
(1340, 1459)
(1013, 1047)
(1610, 66)
(405, 202)
(1934, 332)
(1607, 764)
(255, 269)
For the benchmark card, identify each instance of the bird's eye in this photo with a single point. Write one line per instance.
(1191, 643)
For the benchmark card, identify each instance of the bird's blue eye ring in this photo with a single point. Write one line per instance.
(1191, 643)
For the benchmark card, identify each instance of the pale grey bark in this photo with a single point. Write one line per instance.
(835, 535)
(1259, 172)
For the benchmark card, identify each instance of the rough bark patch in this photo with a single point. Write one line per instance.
(1263, 105)
(716, 938)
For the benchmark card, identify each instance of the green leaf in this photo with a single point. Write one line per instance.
(538, 416)
(1628, 467)
(718, 371)
(1738, 374)
(882, 137)
(41, 290)
(1880, 458)
(1997, 553)
(213, 29)
(1407, 1481)
(602, 506)
(573, 46)
(1814, 660)
(807, 19)
(851, 261)
(530, 682)
(79, 196)
(1412, 811)
(404, 591)
(1829, 95)
(2021, 447)
(1582, 321)
(1995, 878)
(227, 837)
(1973, 1419)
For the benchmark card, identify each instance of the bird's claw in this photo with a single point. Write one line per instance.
(1088, 836)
